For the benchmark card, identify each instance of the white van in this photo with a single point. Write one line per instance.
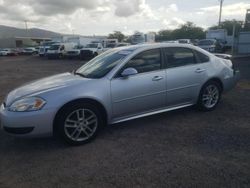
(91, 50)
(59, 50)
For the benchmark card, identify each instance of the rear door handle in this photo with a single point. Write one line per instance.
(157, 78)
(199, 70)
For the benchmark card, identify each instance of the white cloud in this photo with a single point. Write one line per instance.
(104, 16)
(237, 9)
(173, 7)
(173, 23)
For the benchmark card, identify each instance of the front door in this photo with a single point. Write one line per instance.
(143, 92)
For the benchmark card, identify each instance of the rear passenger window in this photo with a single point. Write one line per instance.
(177, 57)
(202, 57)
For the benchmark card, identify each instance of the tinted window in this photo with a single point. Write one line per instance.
(146, 61)
(202, 57)
(177, 57)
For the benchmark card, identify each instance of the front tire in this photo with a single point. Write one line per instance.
(210, 96)
(78, 124)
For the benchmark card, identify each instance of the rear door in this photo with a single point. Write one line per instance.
(184, 76)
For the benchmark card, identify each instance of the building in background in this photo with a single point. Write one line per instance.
(80, 40)
(21, 42)
(247, 20)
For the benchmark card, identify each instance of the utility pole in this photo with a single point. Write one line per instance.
(26, 27)
(221, 3)
(234, 27)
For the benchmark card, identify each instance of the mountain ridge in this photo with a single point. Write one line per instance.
(9, 31)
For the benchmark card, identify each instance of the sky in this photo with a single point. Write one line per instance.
(101, 17)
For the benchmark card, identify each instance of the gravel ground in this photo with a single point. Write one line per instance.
(183, 148)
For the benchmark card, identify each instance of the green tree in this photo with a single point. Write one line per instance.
(185, 31)
(228, 25)
(117, 35)
(163, 35)
(188, 31)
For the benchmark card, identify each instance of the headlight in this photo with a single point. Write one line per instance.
(27, 104)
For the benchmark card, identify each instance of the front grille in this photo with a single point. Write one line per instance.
(86, 54)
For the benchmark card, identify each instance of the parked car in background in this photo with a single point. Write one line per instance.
(59, 50)
(91, 50)
(29, 51)
(74, 53)
(210, 45)
(195, 42)
(170, 41)
(44, 48)
(184, 41)
(119, 85)
(8, 52)
(121, 44)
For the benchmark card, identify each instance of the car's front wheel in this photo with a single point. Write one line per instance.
(210, 95)
(79, 123)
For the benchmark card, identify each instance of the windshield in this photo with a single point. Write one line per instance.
(54, 47)
(92, 45)
(205, 42)
(78, 47)
(111, 45)
(101, 65)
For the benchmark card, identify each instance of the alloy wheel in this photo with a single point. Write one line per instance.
(80, 125)
(210, 96)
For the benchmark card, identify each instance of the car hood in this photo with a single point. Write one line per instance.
(44, 85)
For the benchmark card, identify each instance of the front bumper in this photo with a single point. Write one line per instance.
(229, 83)
(27, 124)
(72, 55)
(53, 55)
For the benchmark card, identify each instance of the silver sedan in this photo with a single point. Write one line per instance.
(118, 85)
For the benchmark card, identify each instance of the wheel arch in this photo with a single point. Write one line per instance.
(215, 79)
(96, 103)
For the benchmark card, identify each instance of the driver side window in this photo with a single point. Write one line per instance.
(146, 61)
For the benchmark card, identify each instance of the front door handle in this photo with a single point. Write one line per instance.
(157, 78)
(199, 70)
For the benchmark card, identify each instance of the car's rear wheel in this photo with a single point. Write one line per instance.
(209, 96)
(79, 123)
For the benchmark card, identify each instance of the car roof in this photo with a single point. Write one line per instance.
(154, 45)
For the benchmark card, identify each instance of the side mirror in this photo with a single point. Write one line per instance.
(99, 48)
(129, 72)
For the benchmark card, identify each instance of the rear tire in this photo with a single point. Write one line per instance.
(78, 123)
(210, 96)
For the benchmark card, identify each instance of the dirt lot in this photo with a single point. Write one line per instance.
(184, 148)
